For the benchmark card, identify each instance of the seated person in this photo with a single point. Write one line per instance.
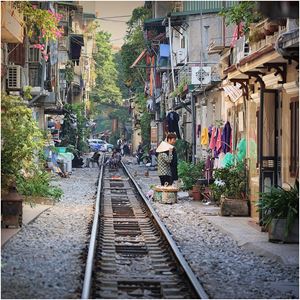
(77, 162)
(93, 159)
(114, 161)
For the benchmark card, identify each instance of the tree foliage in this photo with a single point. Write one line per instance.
(106, 89)
(245, 12)
(133, 46)
(74, 129)
(22, 140)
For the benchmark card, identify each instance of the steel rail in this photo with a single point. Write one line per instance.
(196, 284)
(92, 246)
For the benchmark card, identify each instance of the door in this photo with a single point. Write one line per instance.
(270, 141)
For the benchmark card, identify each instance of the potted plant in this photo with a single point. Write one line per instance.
(279, 209)
(189, 173)
(230, 189)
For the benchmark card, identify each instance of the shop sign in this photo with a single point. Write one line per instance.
(201, 75)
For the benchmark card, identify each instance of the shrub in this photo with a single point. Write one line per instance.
(279, 204)
(230, 182)
(189, 173)
(38, 185)
(22, 140)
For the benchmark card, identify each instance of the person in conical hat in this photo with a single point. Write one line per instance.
(164, 159)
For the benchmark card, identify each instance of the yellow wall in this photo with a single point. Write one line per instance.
(286, 127)
(268, 136)
(253, 171)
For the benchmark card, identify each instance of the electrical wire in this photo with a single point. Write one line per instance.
(116, 21)
(12, 50)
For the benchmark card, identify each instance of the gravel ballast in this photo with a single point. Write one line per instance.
(44, 260)
(225, 269)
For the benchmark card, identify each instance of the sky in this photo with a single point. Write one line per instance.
(108, 9)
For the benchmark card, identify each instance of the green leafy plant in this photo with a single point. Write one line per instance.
(106, 89)
(74, 130)
(22, 140)
(145, 127)
(189, 173)
(279, 203)
(114, 137)
(41, 25)
(244, 11)
(38, 185)
(69, 71)
(182, 148)
(230, 182)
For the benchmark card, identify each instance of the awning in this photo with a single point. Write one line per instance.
(177, 19)
(250, 58)
(234, 92)
(140, 57)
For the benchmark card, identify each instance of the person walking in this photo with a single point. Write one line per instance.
(164, 159)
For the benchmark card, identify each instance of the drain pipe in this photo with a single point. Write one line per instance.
(193, 128)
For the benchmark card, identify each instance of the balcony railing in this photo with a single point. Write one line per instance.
(195, 74)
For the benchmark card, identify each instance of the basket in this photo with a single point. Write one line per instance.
(165, 194)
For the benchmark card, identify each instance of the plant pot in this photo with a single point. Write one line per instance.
(196, 192)
(11, 208)
(270, 28)
(277, 231)
(234, 207)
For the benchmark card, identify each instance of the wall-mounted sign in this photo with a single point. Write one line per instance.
(201, 75)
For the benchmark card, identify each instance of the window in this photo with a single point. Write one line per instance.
(294, 142)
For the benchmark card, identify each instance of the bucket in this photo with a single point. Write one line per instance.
(67, 158)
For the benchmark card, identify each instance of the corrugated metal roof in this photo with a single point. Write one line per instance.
(206, 6)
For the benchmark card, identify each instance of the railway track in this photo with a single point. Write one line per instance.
(131, 253)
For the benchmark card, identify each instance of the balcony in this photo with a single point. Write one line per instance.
(12, 30)
(264, 33)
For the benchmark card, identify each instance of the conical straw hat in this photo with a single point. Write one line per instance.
(164, 146)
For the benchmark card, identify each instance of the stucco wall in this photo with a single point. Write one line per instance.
(211, 30)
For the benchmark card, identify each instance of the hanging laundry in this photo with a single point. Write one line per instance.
(210, 131)
(173, 119)
(219, 140)
(213, 139)
(226, 134)
(204, 136)
(198, 130)
(208, 167)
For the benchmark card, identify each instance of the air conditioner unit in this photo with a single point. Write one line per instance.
(181, 56)
(34, 55)
(14, 77)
